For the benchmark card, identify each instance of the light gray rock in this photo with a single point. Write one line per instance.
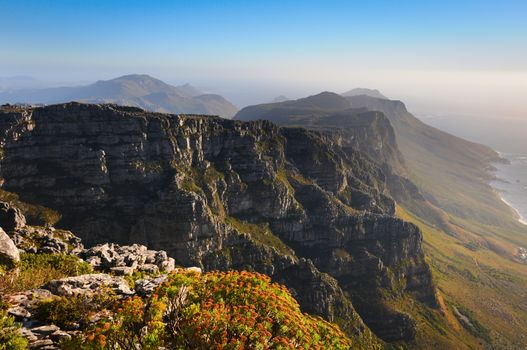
(122, 270)
(149, 268)
(146, 286)
(42, 344)
(88, 284)
(21, 304)
(193, 269)
(19, 312)
(28, 334)
(167, 265)
(59, 335)
(45, 330)
(9, 255)
(126, 259)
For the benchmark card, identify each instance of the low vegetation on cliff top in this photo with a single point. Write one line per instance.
(216, 310)
(37, 269)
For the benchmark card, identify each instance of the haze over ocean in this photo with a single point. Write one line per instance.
(506, 136)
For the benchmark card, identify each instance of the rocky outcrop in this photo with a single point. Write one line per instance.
(88, 284)
(112, 259)
(309, 211)
(24, 305)
(40, 240)
(125, 260)
(9, 255)
(108, 257)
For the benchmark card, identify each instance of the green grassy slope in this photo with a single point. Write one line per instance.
(471, 237)
(454, 176)
(483, 286)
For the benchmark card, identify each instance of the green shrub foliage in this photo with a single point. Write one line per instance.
(10, 338)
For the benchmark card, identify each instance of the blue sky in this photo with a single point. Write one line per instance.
(299, 46)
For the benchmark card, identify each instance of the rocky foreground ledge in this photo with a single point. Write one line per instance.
(122, 271)
(131, 297)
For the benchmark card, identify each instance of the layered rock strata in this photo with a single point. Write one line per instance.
(310, 212)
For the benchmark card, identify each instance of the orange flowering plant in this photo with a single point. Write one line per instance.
(216, 310)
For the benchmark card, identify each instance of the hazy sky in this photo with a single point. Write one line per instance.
(462, 56)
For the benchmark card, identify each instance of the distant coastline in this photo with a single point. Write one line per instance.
(509, 184)
(519, 216)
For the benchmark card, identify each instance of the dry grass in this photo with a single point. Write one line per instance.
(35, 270)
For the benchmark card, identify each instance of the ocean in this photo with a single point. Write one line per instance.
(507, 136)
(511, 183)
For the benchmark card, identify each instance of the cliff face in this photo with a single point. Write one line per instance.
(353, 128)
(301, 206)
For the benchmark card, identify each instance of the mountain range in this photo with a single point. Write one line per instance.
(138, 90)
(372, 219)
(470, 234)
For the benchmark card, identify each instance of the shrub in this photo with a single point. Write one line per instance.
(218, 310)
(10, 338)
(73, 311)
(69, 265)
(137, 275)
(36, 214)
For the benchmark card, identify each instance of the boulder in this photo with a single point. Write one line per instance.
(28, 334)
(9, 255)
(149, 268)
(146, 286)
(193, 269)
(59, 335)
(45, 330)
(42, 344)
(11, 218)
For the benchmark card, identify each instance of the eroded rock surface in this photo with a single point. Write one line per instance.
(125, 260)
(303, 207)
(40, 240)
(88, 284)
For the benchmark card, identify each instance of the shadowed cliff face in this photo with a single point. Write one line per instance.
(301, 206)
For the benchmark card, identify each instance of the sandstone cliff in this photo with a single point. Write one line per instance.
(300, 206)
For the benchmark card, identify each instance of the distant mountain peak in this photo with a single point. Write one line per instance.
(139, 79)
(139, 90)
(324, 100)
(135, 76)
(280, 98)
(189, 90)
(363, 91)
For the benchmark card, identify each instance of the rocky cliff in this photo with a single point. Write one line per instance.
(300, 206)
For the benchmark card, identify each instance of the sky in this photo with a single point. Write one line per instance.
(464, 56)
